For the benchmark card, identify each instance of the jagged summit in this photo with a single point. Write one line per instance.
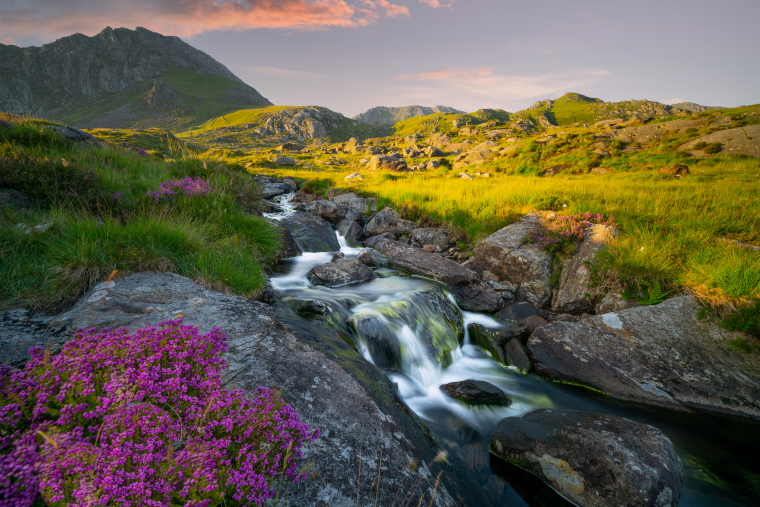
(383, 115)
(57, 79)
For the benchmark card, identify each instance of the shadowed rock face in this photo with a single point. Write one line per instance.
(262, 352)
(470, 292)
(660, 355)
(595, 460)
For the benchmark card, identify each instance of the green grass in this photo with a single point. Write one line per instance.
(155, 141)
(213, 239)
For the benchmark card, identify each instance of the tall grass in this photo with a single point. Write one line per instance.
(211, 238)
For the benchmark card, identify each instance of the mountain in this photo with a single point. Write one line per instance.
(120, 78)
(574, 108)
(389, 115)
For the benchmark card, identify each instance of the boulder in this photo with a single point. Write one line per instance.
(282, 160)
(289, 247)
(613, 301)
(366, 258)
(270, 190)
(388, 220)
(354, 176)
(440, 238)
(334, 213)
(594, 460)
(350, 230)
(440, 141)
(21, 330)
(311, 232)
(372, 241)
(677, 170)
(517, 312)
(517, 355)
(339, 272)
(741, 140)
(382, 343)
(469, 291)
(308, 307)
(353, 146)
(476, 392)
(576, 274)
(76, 135)
(261, 352)
(387, 163)
(662, 355)
(360, 204)
(508, 255)
(486, 340)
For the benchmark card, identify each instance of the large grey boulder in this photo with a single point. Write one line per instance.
(261, 352)
(311, 232)
(594, 460)
(270, 190)
(576, 274)
(440, 238)
(742, 140)
(469, 291)
(339, 272)
(387, 163)
(360, 204)
(509, 256)
(334, 213)
(388, 220)
(76, 135)
(662, 355)
(282, 160)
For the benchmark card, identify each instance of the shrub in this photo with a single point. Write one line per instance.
(745, 319)
(141, 419)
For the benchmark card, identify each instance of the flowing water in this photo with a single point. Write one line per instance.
(719, 454)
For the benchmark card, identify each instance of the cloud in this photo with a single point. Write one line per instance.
(434, 3)
(675, 101)
(9, 41)
(485, 87)
(43, 18)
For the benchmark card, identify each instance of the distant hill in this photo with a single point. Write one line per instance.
(389, 115)
(120, 78)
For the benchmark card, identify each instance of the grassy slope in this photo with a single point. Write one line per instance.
(199, 94)
(212, 239)
(155, 141)
(444, 122)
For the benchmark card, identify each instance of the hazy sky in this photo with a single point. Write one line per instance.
(350, 55)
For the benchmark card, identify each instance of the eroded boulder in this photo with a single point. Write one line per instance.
(339, 272)
(595, 460)
(311, 232)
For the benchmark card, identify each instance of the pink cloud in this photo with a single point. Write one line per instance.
(434, 3)
(185, 18)
(8, 41)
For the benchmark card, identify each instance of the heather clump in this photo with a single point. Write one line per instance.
(128, 419)
(187, 186)
(562, 231)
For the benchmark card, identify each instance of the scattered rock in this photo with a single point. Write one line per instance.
(476, 392)
(353, 233)
(677, 170)
(388, 220)
(311, 232)
(441, 239)
(594, 460)
(360, 204)
(270, 190)
(339, 272)
(72, 134)
(465, 176)
(282, 160)
(508, 255)
(353, 146)
(354, 176)
(372, 241)
(662, 355)
(366, 258)
(576, 274)
(387, 163)
(334, 213)
(469, 291)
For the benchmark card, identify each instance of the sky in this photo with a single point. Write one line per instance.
(351, 55)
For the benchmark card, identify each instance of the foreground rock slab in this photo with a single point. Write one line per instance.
(262, 352)
(470, 292)
(595, 460)
(660, 355)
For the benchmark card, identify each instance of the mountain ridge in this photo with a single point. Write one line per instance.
(384, 115)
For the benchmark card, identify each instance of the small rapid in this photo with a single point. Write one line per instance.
(410, 339)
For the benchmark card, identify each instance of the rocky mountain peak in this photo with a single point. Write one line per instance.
(383, 115)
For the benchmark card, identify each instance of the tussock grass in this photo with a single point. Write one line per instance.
(213, 238)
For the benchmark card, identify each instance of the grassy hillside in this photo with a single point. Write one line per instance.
(446, 122)
(154, 141)
(101, 220)
(201, 97)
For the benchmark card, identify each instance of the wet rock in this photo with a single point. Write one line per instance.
(338, 256)
(352, 231)
(508, 255)
(365, 257)
(261, 352)
(308, 307)
(517, 312)
(576, 274)
(443, 307)
(381, 342)
(374, 240)
(517, 355)
(440, 238)
(270, 190)
(476, 392)
(388, 220)
(289, 246)
(661, 355)
(339, 272)
(594, 460)
(486, 340)
(469, 291)
(311, 232)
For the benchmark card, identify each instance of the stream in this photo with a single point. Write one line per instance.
(719, 453)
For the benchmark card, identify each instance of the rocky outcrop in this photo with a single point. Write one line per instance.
(302, 123)
(576, 274)
(388, 220)
(261, 352)
(382, 115)
(476, 392)
(470, 292)
(311, 232)
(595, 460)
(386, 163)
(742, 140)
(339, 272)
(89, 68)
(507, 255)
(662, 355)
